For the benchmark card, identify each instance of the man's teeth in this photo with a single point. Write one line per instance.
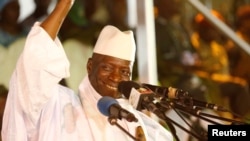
(111, 87)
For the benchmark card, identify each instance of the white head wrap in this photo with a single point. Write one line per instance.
(115, 43)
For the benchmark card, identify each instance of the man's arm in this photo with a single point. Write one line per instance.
(53, 22)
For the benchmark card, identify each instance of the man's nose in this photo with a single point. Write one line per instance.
(115, 75)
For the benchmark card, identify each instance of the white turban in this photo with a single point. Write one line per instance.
(115, 43)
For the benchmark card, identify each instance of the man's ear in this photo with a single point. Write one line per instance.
(89, 65)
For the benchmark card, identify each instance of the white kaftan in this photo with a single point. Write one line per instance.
(39, 109)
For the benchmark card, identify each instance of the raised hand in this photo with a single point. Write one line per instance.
(53, 22)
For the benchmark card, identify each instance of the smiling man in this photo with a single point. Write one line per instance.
(112, 61)
(38, 108)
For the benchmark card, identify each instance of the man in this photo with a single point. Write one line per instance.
(39, 109)
(173, 45)
(238, 58)
(10, 29)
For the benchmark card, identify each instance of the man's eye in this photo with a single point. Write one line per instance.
(106, 68)
(125, 73)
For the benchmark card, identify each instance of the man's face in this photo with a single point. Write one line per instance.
(106, 72)
(11, 12)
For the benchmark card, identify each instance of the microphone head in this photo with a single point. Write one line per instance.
(105, 103)
(125, 87)
(163, 91)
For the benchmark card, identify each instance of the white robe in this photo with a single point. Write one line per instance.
(39, 109)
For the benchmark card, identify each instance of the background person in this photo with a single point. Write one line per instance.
(10, 28)
(39, 14)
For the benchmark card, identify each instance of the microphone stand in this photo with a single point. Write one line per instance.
(164, 106)
(167, 119)
(187, 105)
(158, 111)
(190, 111)
(222, 118)
(113, 121)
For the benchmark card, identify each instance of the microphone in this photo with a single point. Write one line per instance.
(168, 92)
(196, 103)
(110, 107)
(184, 97)
(143, 98)
(138, 96)
(152, 91)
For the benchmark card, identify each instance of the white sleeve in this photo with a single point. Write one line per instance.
(156, 132)
(40, 67)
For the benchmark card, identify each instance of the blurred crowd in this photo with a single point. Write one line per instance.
(194, 56)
